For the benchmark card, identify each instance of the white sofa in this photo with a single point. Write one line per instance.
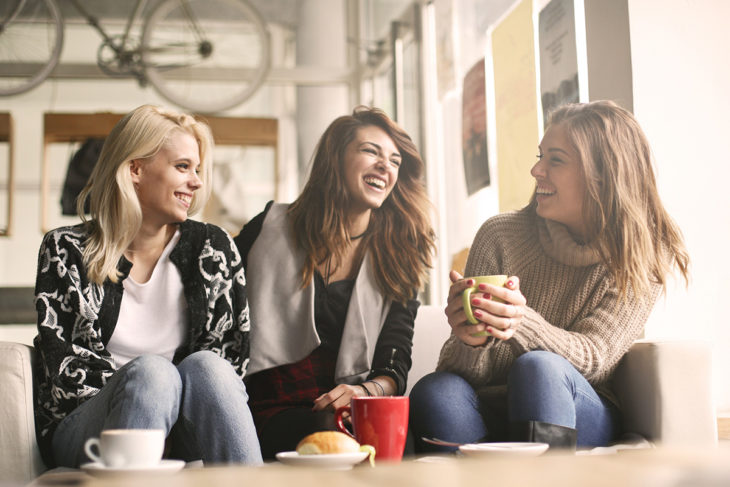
(665, 388)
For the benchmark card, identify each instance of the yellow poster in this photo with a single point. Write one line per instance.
(515, 104)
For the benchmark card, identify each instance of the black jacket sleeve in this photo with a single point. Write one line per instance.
(248, 234)
(395, 342)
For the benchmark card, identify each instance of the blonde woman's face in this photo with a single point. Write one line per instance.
(371, 166)
(560, 181)
(166, 183)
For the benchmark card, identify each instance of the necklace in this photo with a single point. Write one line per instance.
(329, 261)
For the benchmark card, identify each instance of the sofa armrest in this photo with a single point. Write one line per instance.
(20, 460)
(665, 392)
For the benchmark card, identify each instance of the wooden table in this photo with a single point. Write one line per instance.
(639, 468)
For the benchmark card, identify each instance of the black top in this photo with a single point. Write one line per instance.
(392, 355)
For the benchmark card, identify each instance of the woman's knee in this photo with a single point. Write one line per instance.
(152, 379)
(538, 367)
(441, 389)
(152, 373)
(208, 370)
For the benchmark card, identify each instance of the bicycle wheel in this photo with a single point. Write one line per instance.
(205, 55)
(31, 39)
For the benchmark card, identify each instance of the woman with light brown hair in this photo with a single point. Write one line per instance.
(333, 278)
(587, 259)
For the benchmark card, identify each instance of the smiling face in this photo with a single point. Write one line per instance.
(166, 182)
(560, 181)
(370, 168)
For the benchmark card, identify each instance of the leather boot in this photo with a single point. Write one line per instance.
(558, 437)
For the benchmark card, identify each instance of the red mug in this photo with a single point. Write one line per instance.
(379, 421)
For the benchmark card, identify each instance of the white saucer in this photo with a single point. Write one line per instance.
(164, 467)
(334, 461)
(507, 448)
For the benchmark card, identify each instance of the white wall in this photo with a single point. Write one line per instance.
(18, 253)
(681, 98)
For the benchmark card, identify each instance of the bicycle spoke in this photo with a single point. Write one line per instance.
(30, 44)
(205, 55)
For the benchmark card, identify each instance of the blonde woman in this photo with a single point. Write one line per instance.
(333, 279)
(142, 313)
(587, 258)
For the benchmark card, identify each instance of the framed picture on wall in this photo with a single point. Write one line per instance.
(558, 55)
(6, 173)
(474, 129)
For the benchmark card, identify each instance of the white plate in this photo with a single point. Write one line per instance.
(164, 467)
(514, 449)
(336, 461)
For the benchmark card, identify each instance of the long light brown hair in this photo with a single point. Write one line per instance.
(625, 219)
(116, 215)
(399, 237)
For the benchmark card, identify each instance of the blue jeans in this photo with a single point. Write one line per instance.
(201, 404)
(542, 386)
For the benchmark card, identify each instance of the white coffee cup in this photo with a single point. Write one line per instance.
(127, 448)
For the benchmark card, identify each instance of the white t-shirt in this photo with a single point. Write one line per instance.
(153, 315)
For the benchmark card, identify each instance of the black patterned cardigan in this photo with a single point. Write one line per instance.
(76, 317)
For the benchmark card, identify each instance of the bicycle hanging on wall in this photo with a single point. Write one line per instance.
(203, 55)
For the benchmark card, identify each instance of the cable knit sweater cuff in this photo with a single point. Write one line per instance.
(465, 360)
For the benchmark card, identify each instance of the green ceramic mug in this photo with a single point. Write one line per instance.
(498, 281)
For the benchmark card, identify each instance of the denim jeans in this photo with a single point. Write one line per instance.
(542, 386)
(201, 404)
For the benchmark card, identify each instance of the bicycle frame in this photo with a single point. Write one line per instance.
(124, 55)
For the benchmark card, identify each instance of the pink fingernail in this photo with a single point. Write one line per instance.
(482, 287)
(477, 313)
(470, 282)
(475, 301)
(510, 283)
(487, 296)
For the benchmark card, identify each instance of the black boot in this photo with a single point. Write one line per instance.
(558, 437)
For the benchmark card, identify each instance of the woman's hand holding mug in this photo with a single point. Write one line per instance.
(477, 308)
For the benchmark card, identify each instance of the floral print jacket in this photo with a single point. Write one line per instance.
(77, 317)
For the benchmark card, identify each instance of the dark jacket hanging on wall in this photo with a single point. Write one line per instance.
(79, 170)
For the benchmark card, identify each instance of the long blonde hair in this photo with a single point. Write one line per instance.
(116, 215)
(625, 219)
(399, 237)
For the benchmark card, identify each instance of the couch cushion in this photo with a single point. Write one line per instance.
(20, 460)
(430, 332)
(665, 390)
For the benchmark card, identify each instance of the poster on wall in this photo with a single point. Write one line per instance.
(558, 55)
(474, 129)
(515, 106)
(444, 15)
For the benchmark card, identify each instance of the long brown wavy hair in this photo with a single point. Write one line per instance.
(399, 236)
(625, 219)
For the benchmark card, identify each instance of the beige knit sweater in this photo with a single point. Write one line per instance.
(573, 307)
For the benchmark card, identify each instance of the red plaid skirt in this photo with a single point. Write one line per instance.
(293, 385)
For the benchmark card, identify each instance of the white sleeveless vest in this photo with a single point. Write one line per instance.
(282, 313)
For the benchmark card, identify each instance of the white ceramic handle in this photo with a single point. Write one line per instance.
(90, 443)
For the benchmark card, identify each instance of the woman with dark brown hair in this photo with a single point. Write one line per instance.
(332, 280)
